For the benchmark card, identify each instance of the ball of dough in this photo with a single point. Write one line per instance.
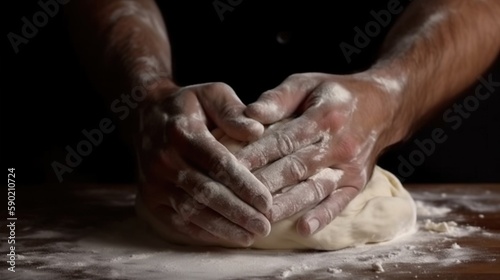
(381, 212)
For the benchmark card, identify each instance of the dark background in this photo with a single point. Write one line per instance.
(47, 99)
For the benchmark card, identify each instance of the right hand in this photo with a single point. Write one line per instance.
(191, 182)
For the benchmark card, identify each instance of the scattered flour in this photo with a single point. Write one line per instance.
(480, 202)
(127, 249)
(294, 270)
(440, 227)
(428, 210)
(334, 270)
(377, 267)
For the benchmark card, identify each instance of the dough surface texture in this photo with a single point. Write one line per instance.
(382, 211)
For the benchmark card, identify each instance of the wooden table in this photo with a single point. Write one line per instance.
(51, 221)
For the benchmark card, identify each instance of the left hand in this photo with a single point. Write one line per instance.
(329, 150)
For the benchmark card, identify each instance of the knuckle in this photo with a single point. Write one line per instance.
(283, 209)
(230, 112)
(270, 94)
(297, 169)
(285, 144)
(177, 125)
(187, 209)
(297, 76)
(219, 164)
(336, 119)
(205, 192)
(328, 213)
(317, 189)
(218, 87)
(179, 222)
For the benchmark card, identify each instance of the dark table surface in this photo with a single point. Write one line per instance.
(52, 221)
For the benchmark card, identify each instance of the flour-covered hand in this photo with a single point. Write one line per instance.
(327, 152)
(190, 181)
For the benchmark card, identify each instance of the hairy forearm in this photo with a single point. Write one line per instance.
(123, 44)
(434, 52)
(125, 48)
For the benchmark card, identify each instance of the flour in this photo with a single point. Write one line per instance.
(334, 94)
(391, 85)
(377, 267)
(148, 71)
(126, 249)
(334, 270)
(294, 270)
(447, 227)
(428, 210)
(473, 201)
(267, 111)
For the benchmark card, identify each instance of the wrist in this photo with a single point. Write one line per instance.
(147, 114)
(392, 85)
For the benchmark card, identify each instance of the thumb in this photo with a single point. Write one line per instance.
(281, 102)
(222, 105)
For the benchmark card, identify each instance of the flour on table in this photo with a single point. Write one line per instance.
(377, 267)
(428, 210)
(440, 227)
(126, 249)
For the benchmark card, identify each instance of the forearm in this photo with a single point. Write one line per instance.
(124, 46)
(432, 54)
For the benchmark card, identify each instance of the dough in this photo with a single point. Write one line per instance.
(382, 211)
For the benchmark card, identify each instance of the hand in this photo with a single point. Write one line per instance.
(329, 150)
(190, 181)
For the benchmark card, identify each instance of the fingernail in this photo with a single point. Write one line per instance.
(256, 130)
(313, 225)
(260, 227)
(244, 239)
(262, 204)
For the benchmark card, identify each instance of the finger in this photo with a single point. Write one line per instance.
(180, 230)
(189, 212)
(187, 232)
(205, 190)
(211, 194)
(294, 168)
(287, 139)
(282, 101)
(169, 223)
(321, 215)
(192, 138)
(306, 194)
(223, 106)
(200, 215)
(223, 201)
